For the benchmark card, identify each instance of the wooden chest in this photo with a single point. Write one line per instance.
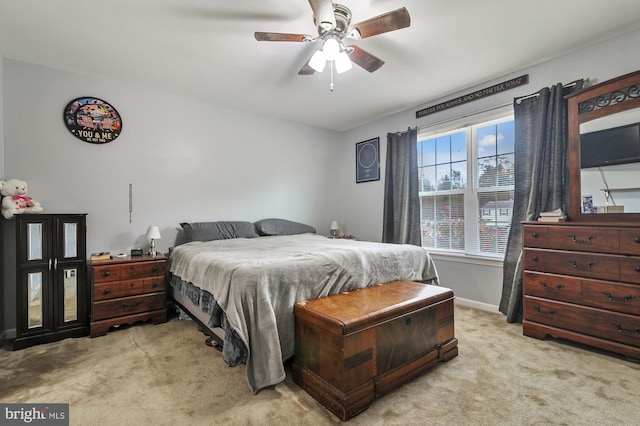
(353, 347)
(127, 290)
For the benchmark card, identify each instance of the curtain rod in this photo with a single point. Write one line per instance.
(535, 95)
(471, 114)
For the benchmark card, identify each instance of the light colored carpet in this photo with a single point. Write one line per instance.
(166, 375)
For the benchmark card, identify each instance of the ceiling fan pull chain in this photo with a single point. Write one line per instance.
(331, 66)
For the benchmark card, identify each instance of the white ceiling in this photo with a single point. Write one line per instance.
(205, 49)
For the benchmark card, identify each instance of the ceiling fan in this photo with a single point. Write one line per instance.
(333, 23)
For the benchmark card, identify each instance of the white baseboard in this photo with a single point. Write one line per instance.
(477, 305)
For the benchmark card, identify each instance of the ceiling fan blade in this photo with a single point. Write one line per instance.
(365, 59)
(384, 23)
(306, 69)
(260, 36)
(323, 12)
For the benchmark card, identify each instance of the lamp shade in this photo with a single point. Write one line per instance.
(318, 61)
(334, 225)
(343, 63)
(331, 48)
(153, 233)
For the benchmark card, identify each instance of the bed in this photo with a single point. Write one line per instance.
(244, 278)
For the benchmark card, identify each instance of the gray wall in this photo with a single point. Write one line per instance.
(359, 207)
(187, 161)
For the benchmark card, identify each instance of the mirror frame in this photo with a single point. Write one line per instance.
(606, 98)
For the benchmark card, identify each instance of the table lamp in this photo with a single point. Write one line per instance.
(334, 228)
(153, 233)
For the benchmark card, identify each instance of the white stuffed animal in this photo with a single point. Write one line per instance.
(15, 199)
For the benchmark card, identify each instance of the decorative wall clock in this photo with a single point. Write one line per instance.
(92, 120)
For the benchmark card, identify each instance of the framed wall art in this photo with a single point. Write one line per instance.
(92, 120)
(368, 160)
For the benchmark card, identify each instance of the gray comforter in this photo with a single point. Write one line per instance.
(257, 281)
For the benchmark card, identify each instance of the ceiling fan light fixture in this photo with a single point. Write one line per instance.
(318, 61)
(343, 63)
(331, 49)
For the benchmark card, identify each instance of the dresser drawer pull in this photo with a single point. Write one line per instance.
(155, 269)
(577, 241)
(155, 284)
(127, 306)
(546, 287)
(106, 291)
(637, 240)
(619, 299)
(534, 258)
(106, 273)
(623, 331)
(637, 268)
(534, 235)
(588, 267)
(545, 314)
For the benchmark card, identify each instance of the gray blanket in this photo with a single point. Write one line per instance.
(257, 281)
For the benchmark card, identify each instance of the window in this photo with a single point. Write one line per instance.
(466, 187)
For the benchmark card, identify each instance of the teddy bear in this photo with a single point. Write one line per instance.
(15, 199)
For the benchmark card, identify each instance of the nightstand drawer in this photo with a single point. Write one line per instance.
(132, 287)
(103, 291)
(128, 306)
(154, 284)
(143, 269)
(106, 273)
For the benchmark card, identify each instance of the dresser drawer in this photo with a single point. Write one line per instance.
(132, 287)
(534, 260)
(143, 269)
(106, 273)
(613, 326)
(103, 291)
(612, 296)
(535, 236)
(587, 265)
(584, 238)
(630, 269)
(630, 241)
(154, 284)
(551, 286)
(128, 306)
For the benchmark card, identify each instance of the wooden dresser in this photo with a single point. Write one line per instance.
(127, 290)
(582, 283)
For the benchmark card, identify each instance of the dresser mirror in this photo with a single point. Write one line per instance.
(604, 151)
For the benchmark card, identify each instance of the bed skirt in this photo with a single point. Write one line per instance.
(234, 351)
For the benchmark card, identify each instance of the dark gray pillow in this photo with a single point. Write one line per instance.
(282, 227)
(221, 230)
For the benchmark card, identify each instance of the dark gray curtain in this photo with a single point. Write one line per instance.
(401, 220)
(540, 166)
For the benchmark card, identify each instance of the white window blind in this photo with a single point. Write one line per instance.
(466, 185)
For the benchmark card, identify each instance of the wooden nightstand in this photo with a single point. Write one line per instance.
(127, 290)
